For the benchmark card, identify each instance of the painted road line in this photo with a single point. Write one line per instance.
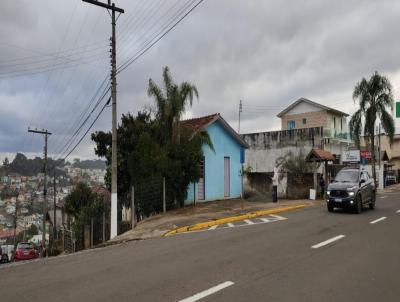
(377, 220)
(213, 227)
(231, 225)
(278, 217)
(264, 219)
(327, 241)
(398, 211)
(382, 197)
(248, 221)
(208, 292)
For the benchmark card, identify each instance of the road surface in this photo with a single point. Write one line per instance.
(312, 255)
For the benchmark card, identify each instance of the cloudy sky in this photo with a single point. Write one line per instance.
(54, 57)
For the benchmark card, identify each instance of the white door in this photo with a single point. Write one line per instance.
(227, 177)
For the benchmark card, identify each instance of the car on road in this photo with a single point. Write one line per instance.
(25, 251)
(352, 188)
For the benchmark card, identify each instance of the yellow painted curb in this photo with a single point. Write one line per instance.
(203, 225)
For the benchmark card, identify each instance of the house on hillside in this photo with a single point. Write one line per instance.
(304, 125)
(221, 168)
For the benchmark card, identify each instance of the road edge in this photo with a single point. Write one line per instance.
(203, 225)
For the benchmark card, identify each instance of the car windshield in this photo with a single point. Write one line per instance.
(347, 176)
(25, 246)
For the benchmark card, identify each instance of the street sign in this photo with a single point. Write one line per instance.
(351, 156)
(398, 109)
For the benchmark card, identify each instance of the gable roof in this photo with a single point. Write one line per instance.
(301, 100)
(201, 123)
(319, 155)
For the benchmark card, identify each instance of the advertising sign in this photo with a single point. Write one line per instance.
(366, 154)
(351, 156)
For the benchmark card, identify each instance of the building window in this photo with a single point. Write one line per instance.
(334, 122)
(341, 124)
(304, 121)
(291, 125)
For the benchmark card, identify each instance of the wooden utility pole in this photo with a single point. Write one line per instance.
(240, 111)
(55, 206)
(46, 134)
(114, 170)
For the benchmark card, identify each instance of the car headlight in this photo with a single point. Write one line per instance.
(351, 193)
(328, 192)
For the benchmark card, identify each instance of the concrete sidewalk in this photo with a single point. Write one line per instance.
(159, 225)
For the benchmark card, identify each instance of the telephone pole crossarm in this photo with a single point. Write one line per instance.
(107, 6)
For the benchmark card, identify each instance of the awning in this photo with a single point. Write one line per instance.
(319, 155)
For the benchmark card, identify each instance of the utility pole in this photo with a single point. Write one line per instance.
(46, 134)
(15, 220)
(240, 111)
(114, 197)
(54, 210)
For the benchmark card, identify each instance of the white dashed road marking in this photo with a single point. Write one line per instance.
(377, 220)
(248, 221)
(208, 292)
(231, 225)
(382, 197)
(398, 211)
(326, 242)
(213, 227)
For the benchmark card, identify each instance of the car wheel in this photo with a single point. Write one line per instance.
(359, 205)
(330, 208)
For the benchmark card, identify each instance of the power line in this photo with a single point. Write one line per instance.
(142, 52)
(90, 127)
(75, 134)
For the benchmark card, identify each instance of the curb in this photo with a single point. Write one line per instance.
(203, 225)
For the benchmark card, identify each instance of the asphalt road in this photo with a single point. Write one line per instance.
(287, 260)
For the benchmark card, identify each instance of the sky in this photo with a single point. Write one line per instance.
(54, 56)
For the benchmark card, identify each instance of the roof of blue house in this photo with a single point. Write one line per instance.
(201, 124)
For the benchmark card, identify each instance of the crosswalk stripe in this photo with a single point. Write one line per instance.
(231, 225)
(213, 227)
(248, 221)
(264, 219)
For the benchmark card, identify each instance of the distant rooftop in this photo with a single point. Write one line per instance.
(323, 107)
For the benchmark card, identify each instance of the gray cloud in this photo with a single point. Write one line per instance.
(267, 53)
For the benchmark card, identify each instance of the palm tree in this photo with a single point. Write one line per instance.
(171, 102)
(374, 97)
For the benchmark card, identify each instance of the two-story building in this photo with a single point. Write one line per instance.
(304, 125)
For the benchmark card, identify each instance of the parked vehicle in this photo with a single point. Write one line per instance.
(390, 178)
(7, 253)
(352, 188)
(25, 251)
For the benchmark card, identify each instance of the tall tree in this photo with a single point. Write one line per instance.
(171, 102)
(374, 97)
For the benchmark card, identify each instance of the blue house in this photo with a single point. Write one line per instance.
(221, 168)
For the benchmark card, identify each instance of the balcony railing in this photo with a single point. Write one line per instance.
(336, 134)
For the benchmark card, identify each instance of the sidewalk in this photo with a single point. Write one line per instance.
(159, 225)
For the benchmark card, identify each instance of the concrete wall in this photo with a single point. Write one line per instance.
(258, 186)
(266, 147)
(225, 146)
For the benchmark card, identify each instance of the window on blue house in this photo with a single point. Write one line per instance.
(291, 125)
